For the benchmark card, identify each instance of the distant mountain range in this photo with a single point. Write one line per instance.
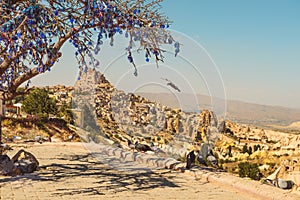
(237, 111)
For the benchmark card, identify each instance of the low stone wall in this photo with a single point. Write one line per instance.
(149, 159)
(250, 187)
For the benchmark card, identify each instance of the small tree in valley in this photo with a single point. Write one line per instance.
(38, 102)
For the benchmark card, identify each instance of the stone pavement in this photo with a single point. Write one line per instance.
(69, 171)
(230, 181)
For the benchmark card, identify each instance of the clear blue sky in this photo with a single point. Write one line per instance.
(255, 44)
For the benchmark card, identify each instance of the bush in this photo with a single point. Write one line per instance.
(245, 149)
(250, 150)
(249, 170)
(38, 103)
(272, 165)
(257, 147)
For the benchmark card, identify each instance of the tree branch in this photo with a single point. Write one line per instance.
(30, 38)
(34, 72)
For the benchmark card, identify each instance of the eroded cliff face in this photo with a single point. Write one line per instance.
(122, 116)
(207, 130)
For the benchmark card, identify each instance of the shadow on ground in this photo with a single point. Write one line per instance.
(107, 179)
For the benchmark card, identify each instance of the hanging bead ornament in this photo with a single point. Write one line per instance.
(31, 32)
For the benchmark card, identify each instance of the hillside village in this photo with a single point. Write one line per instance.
(122, 117)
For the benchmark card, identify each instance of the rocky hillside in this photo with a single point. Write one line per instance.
(240, 112)
(37, 130)
(122, 117)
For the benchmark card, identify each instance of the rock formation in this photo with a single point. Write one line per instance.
(123, 116)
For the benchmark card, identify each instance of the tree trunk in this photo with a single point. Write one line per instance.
(1, 127)
(1, 116)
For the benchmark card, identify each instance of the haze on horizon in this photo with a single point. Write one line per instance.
(255, 45)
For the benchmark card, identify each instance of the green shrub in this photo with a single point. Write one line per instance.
(272, 165)
(250, 150)
(249, 170)
(245, 149)
(257, 147)
(38, 103)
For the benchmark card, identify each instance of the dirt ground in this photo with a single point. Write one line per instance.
(69, 171)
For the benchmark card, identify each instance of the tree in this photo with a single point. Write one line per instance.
(245, 149)
(250, 150)
(38, 102)
(255, 148)
(34, 31)
(65, 112)
(250, 170)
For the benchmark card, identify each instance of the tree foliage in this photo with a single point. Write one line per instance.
(34, 31)
(250, 151)
(257, 147)
(38, 102)
(245, 149)
(249, 170)
(64, 111)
